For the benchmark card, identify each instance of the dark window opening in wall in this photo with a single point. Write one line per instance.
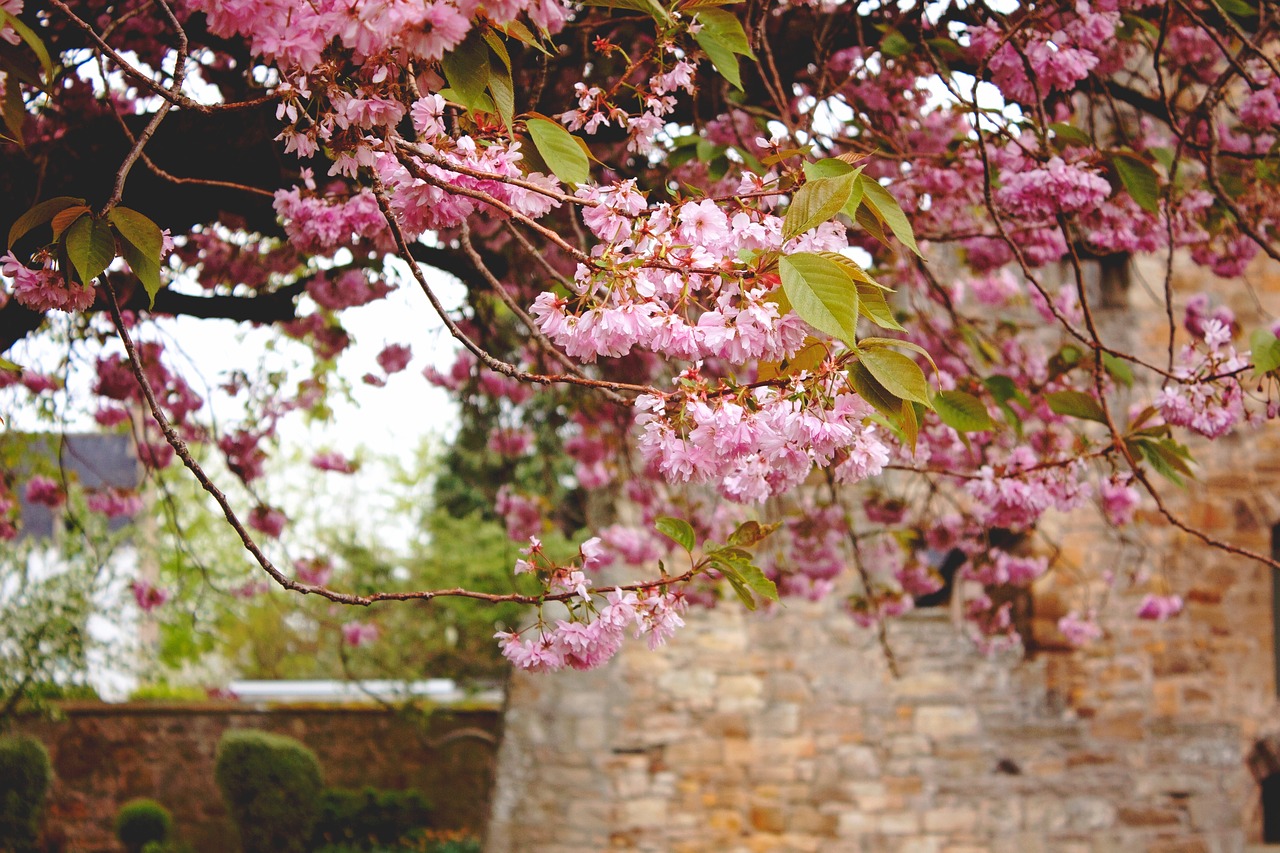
(1275, 607)
(1271, 809)
(946, 565)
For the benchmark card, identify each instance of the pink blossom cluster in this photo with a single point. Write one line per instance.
(521, 514)
(1040, 194)
(1159, 607)
(115, 503)
(1020, 493)
(1207, 407)
(45, 491)
(655, 614)
(424, 194)
(764, 445)
(46, 288)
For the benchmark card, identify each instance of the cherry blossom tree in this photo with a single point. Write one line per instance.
(812, 286)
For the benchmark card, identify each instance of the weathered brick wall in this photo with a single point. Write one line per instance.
(104, 755)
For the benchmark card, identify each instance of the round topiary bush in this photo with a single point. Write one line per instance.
(141, 822)
(271, 785)
(25, 776)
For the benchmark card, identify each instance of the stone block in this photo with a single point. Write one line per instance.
(946, 721)
(951, 820)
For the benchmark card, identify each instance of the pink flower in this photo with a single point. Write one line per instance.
(1080, 630)
(314, 570)
(394, 358)
(357, 634)
(267, 520)
(147, 596)
(1119, 499)
(1160, 607)
(45, 491)
(115, 503)
(331, 460)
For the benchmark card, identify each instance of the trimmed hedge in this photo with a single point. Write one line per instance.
(25, 777)
(141, 822)
(271, 785)
(370, 816)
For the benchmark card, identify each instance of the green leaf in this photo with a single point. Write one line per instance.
(503, 91)
(739, 586)
(648, 7)
(1237, 8)
(822, 294)
(1265, 350)
(560, 149)
(870, 389)
(1166, 456)
(865, 218)
(91, 247)
(9, 366)
(39, 215)
(894, 45)
(467, 69)
(138, 230)
(909, 423)
(1119, 369)
(962, 411)
(32, 41)
(13, 109)
(677, 530)
(830, 167)
(870, 343)
(817, 202)
(899, 375)
(750, 533)
(141, 244)
(1076, 404)
(1070, 134)
(726, 28)
(721, 56)
(873, 305)
(755, 578)
(63, 218)
(1140, 180)
(887, 210)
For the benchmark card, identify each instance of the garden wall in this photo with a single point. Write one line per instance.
(104, 755)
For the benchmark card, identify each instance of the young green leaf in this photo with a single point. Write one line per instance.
(560, 149)
(727, 29)
(962, 411)
(13, 109)
(909, 423)
(677, 530)
(870, 389)
(822, 293)
(887, 210)
(724, 59)
(899, 375)
(1076, 404)
(1265, 350)
(1118, 368)
(32, 41)
(873, 306)
(817, 202)
(90, 247)
(467, 69)
(138, 230)
(39, 215)
(756, 580)
(1140, 180)
(9, 366)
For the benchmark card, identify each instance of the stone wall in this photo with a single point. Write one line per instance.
(790, 734)
(104, 755)
(788, 731)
